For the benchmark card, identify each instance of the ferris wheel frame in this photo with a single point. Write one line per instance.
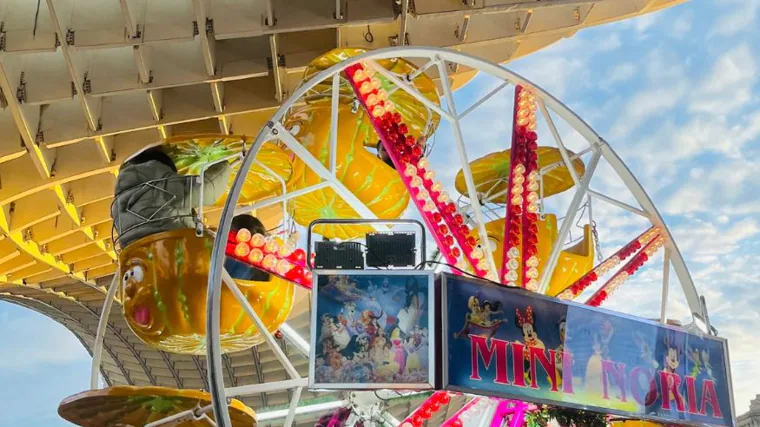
(436, 57)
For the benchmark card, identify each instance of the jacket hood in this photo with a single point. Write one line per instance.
(133, 175)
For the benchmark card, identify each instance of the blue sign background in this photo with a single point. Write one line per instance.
(591, 335)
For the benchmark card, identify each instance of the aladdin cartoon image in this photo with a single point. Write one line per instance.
(372, 334)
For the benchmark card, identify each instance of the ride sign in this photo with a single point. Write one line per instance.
(509, 342)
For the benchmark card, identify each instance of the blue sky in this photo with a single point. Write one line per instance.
(675, 94)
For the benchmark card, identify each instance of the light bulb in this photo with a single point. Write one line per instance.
(533, 175)
(476, 253)
(520, 122)
(370, 71)
(516, 190)
(269, 262)
(242, 250)
(517, 200)
(389, 106)
(429, 206)
(532, 197)
(359, 75)
(512, 264)
(532, 261)
(532, 273)
(483, 264)
(436, 187)
(243, 235)
(429, 175)
(285, 250)
(256, 256)
(283, 266)
(511, 276)
(271, 247)
(382, 94)
(372, 99)
(423, 163)
(378, 110)
(513, 252)
(491, 276)
(376, 84)
(511, 283)
(258, 240)
(423, 195)
(532, 285)
(533, 208)
(532, 126)
(519, 169)
(518, 179)
(533, 186)
(444, 197)
(410, 170)
(365, 88)
(416, 182)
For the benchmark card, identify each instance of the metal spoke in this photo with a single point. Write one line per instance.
(482, 100)
(558, 140)
(572, 210)
(472, 191)
(410, 90)
(617, 203)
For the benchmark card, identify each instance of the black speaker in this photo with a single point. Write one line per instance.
(338, 256)
(391, 249)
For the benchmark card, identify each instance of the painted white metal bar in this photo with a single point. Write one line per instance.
(665, 284)
(472, 191)
(295, 339)
(279, 94)
(283, 186)
(207, 42)
(294, 399)
(247, 390)
(389, 419)
(334, 124)
(280, 198)
(479, 102)
(561, 162)
(268, 337)
(302, 410)
(617, 203)
(409, 89)
(558, 140)
(325, 174)
(568, 222)
(129, 22)
(403, 22)
(97, 348)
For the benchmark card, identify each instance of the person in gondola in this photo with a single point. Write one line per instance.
(152, 197)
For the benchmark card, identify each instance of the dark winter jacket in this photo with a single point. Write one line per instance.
(151, 198)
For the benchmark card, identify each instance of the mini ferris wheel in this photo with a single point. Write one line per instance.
(382, 135)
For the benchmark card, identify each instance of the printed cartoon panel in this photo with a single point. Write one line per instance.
(371, 330)
(508, 342)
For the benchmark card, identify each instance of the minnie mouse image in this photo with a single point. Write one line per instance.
(528, 325)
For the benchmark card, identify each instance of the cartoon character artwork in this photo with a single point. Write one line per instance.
(380, 337)
(672, 354)
(560, 351)
(527, 323)
(479, 320)
(600, 343)
(646, 353)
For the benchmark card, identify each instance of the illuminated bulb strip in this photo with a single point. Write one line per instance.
(628, 270)
(406, 155)
(429, 407)
(528, 155)
(608, 264)
(269, 256)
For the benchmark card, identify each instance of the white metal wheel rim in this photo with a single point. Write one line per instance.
(600, 147)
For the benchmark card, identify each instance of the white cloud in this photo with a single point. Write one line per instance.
(730, 83)
(681, 26)
(610, 43)
(53, 344)
(646, 104)
(620, 73)
(740, 16)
